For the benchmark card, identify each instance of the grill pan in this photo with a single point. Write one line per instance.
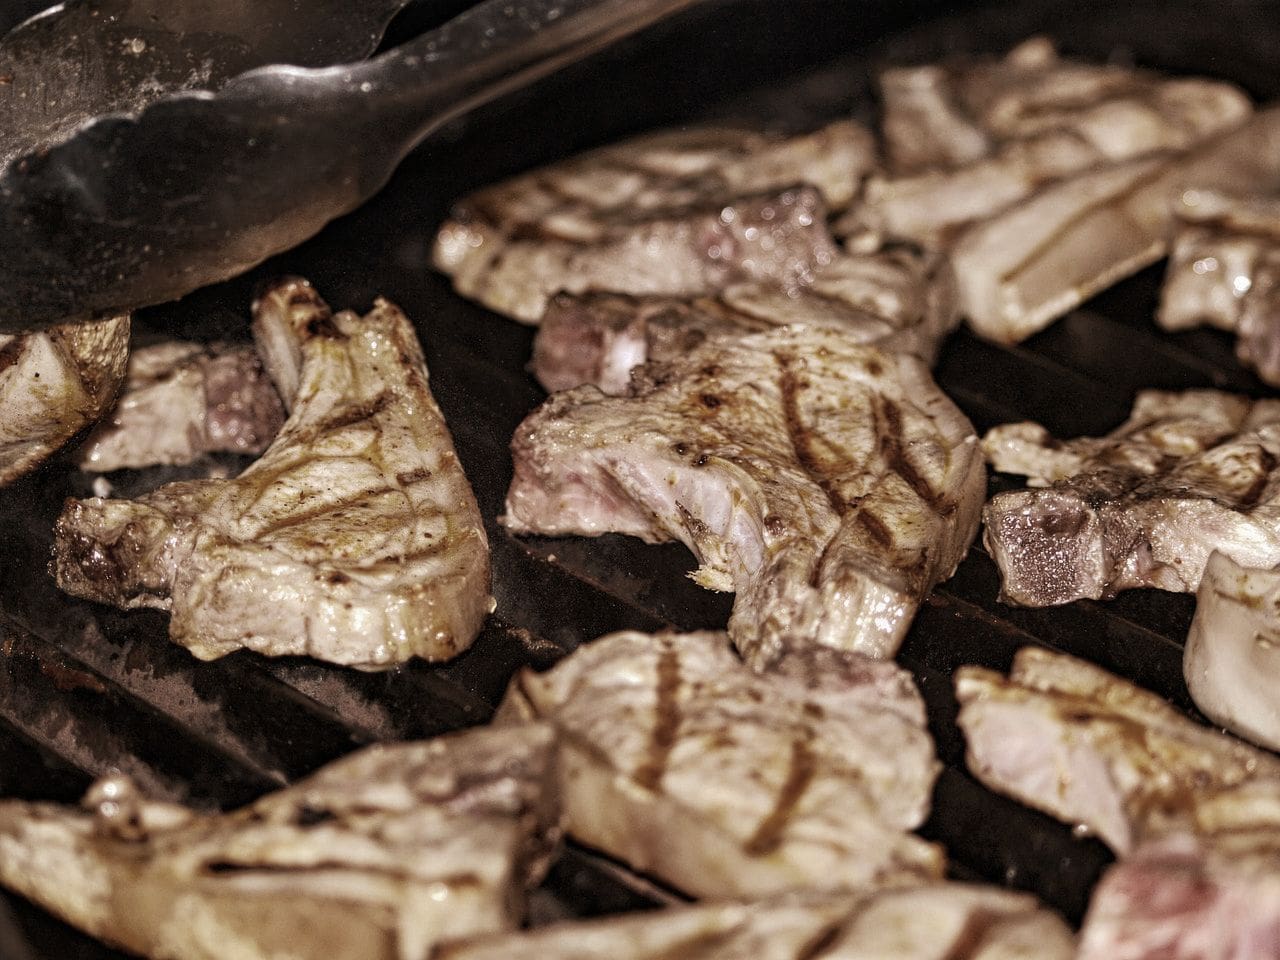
(85, 689)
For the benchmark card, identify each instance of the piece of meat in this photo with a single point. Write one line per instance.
(1186, 474)
(678, 213)
(1224, 271)
(1023, 268)
(1068, 738)
(940, 921)
(182, 400)
(375, 857)
(895, 299)
(684, 763)
(355, 538)
(54, 384)
(1231, 663)
(967, 139)
(829, 484)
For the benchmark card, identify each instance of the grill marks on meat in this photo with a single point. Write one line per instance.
(1144, 506)
(182, 400)
(830, 485)
(1193, 814)
(1224, 271)
(355, 538)
(895, 299)
(937, 921)
(684, 763)
(376, 856)
(54, 384)
(681, 213)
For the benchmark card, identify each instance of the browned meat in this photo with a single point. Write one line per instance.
(1144, 506)
(375, 857)
(680, 213)
(684, 763)
(895, 299)
(829, 484)
(355, 538)
(182, 400)
(53, 385)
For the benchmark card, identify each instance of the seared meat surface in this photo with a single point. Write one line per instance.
(686, 764)
(182, 400)
(895, 299)
(375, 857)
(829, 484)
(679, 213)
(1224, 271)
(355, 538)
(939, 921)
(53, 385)
(1186, 474)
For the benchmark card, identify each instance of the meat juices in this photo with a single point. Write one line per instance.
(679, 213)
(183, 400)
(830, 485)
(1186, 474)
(375, 857)
(684, 763)
(354, 539)
(895, 299)
(54, 384)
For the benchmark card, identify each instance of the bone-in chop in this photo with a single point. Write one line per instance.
(355, 538)
(679, 213)
(53, 385)
(686, 764)
(1186, 474)
(182, 400)
(1224, 271)
(895, 299)
(375, 857)
(937, 921)
(829, 484)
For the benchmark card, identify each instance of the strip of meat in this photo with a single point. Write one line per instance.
(183, 400)
(53, 385)
(1144, 506)
(829, 484)
(684, 763)
(1231, 664)
(949, 921)
(895, 299)
(355, 538)
(1224, 270)
(678, 213)
(375, 857)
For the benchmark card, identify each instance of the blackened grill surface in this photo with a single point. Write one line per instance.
(84, 689)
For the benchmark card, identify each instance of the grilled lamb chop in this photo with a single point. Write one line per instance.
(1231, 662)
(679, 213)
(1186, 474)
(684, 763)
(1224, 270)
(965, 140)
(53, 385)
(829, 484)
(355, 538)
(895, 299)
(944, 921)
(182, 400)
(375, 857)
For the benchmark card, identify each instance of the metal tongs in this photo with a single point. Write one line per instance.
(199, 186)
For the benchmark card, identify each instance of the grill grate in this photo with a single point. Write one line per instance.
(84, 689)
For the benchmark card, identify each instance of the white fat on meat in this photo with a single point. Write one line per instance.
(829, 484)
(685, 764)
(375, 857)
(355, 538)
